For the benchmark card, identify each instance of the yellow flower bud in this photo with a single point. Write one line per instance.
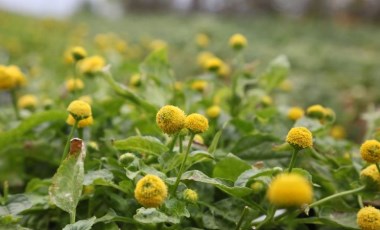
(370, 176)
(370, 151)
(170, 119)
(74, 84)
(316, 111)
(338, 132)
(266, 100)
(290, 190)
(78, 53)
(17, 75)
(27, 102)
(135, 80)
(199, 139)
(203, 57)
(213, 111)
(196, 123)
(213, 64)
(199, 85)
(238, 41)
(82, 123)
(368, 218)
(190, 195)
(91, 65)
(151, 191)
(300, 137)
(79, 109)
(6, 80)
(295, 113)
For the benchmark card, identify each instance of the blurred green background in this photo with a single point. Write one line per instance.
(334, 52)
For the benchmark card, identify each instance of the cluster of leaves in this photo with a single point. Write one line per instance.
(244, 145)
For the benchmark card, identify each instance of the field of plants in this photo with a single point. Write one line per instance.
(188, 122)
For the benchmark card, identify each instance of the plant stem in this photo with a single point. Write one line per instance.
(14, 103)
(69, 139)
(352, 191)
(360, 201)
(72, 216)
(377, 166)
(180, 144)
(80, 133)
(293, 160)
(269, 217)
(172, 142)
(183, 164)
(243, 214)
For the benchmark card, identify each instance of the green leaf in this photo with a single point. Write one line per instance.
(67, 182)
(141, 144)
(176, 208)
(230, 167)
(215, 141)
(198, 176)
(15, 205)
(251, 174)
(303, 173)
(276, 72)
(257, 147)
(103, 174)
(29, 123)
(153, 216)
(335, 219)
(81, 225)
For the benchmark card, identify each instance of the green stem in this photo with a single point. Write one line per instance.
(180, 144)
(377, 166)
(269, 217)
(360, 201)
(14, 104)
(72, 216)
(172, 142)
(293, 160)
(183, 165)
(352, 191)
(4, 199)
(243, 214)
(80, 133)
(65, 151)
(253, 204)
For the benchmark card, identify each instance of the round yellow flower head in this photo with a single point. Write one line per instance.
(370, 151)
(338, 132)
(368, 218)
(78, 53)
(135, 80)
(286, 86)
(238, 41)
(295, 113)
(68, 57)
(190, 195)
(202, 40)
(213, 111)
(91, 65)
(82, 123)
(203, 57)
(151, 191)
(213, 64)
(74, 84)
(6, 80)
(27, 102)
(199, 85)
(316, 111)
(170, 119)
(266, 100)
(196, 123)
(79, 109)
(17, 75)
(121, 46)
(370, 176)
(290, 190)
(300, 137)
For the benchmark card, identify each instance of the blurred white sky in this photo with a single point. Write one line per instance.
(54, 8)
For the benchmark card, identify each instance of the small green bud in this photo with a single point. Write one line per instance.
(190, 195)
(126, 159)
